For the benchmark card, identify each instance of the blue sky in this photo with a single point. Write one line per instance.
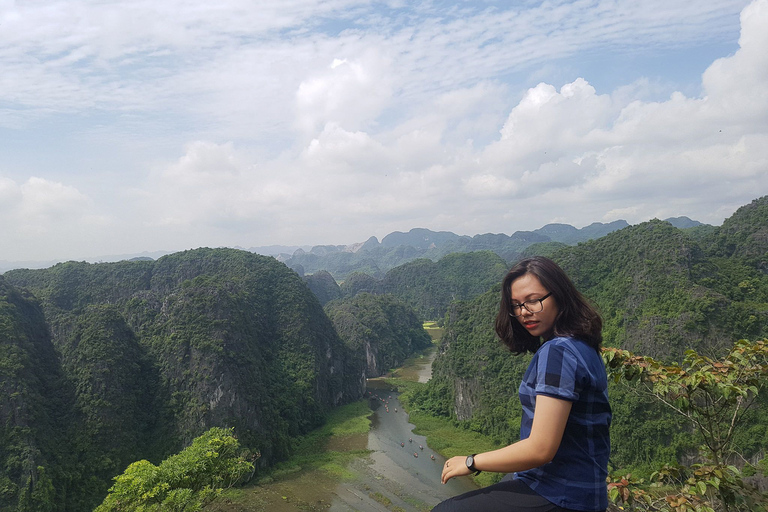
(161, 126)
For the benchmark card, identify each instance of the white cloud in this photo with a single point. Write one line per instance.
(736, 85)
(682, 151)
(548, 122)
(45, 202)
(329, 122)
(206, 185)
(10, 195)
(487, 185)
(350, 93)
(39, 214)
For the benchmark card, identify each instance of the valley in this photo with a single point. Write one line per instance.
(385, 477)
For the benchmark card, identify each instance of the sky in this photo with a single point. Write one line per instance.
(140, 126)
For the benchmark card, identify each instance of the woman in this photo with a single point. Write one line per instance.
(561, 461)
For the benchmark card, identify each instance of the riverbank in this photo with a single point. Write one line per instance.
(347, 466)
(324, 458)
(361, 460)
(369, 457)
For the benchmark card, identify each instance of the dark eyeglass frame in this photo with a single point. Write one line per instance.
(529, 303)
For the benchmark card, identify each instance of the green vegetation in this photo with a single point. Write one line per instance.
(447, 438)
(661, 293)
(324, 286)
(649, 282)
(716, 397)
(380, 329)
(431, 287)
(142, 357)
(183, 482)
(744, 234)
(105, 364)
(326, 450)
(33, 403)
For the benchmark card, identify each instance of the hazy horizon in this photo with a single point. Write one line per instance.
(266, 250)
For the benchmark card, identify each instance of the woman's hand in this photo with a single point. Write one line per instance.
(455, 466)
(549, 419)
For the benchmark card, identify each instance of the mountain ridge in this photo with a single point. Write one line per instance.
(286, 252)
(153, 353)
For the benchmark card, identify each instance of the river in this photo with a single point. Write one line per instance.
(401, 471)
(399, 475)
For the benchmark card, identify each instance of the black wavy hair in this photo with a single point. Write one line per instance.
(576, 317)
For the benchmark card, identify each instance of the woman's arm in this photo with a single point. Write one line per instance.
(549, 418)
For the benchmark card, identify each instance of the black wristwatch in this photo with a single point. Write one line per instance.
(471, 464)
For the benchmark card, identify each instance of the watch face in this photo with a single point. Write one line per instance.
(470, 461)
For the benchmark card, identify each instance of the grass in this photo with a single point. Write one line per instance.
(313, 457)
(444, 437)
(349, 419)
(435, 331)
(377, 496)
(312, 450)
(316, 452)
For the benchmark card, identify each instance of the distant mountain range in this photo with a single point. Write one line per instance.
(377, 258)
(397, 248)
(104, 364)
(421, 238)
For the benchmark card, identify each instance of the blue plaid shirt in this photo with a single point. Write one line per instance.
(569, 369)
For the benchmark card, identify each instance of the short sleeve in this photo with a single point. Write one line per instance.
(557, 369)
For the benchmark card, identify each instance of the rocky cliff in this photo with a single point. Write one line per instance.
(155, 353)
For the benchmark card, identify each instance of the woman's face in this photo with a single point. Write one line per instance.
(528, 288)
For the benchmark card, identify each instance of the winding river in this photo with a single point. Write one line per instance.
(401, 473)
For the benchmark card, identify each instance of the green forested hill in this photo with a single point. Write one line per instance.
(151, 355)
(397, 248)
(116, 412)
(744, 234)
(324, 286)
(380, 328)
(102, 364)
(660, 290)
(430, 287)
(646, 281)
(34, 402)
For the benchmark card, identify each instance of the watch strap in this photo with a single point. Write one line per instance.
(471, 464)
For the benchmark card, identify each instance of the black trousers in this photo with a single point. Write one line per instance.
(509, 495)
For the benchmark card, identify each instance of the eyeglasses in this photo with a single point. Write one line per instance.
(533, 306)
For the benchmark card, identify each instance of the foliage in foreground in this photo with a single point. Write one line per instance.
(325, 451)
(186, 481)
(714, 396)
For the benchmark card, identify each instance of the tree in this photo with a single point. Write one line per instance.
(186, 481)
(714, 396)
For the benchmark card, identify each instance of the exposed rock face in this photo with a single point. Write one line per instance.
(467, 397)
(372, 360)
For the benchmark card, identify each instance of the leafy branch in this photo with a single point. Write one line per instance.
(713, 395)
